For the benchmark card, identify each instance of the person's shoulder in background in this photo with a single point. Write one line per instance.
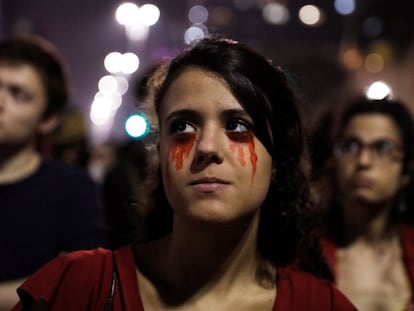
(298, 290)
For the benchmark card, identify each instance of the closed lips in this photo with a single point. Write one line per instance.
(209, 180)
(208, 184)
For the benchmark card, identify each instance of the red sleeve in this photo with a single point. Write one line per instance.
(300, 291)
(79, 280)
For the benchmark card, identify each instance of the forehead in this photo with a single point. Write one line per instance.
(369, 127)
(19, 72)
(200, 90)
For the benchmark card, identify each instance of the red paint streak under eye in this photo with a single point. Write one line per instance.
(181, 148)
(240, 152)
(253, 155)
(240, 140)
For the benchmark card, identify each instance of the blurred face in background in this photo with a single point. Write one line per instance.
(368, 159)
(22, 104)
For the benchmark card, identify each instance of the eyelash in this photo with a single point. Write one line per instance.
(175, 126)
(233, 125)
(239, 123)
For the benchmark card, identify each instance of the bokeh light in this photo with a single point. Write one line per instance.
(310, 15)
(275, 13)
(344, 7)
(379, 90)
(374, 62)
(137, 126)
(108, 84)
(193, 33)
(198, 14)
(112, 61)
(149, 14)
(372, 27)
(129, 63)
(102, 110)
(352, 59)
(244, 5)
(126, 63)
(122, 86)
(127, 13)
(221, 16)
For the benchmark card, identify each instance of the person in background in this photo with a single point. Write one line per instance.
(103, 156)
(69, 141)
(124, 181)
(123, 184)
(368, 233)
(46, 208)
(231, 178)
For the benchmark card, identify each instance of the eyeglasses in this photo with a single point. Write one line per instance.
(382, 150)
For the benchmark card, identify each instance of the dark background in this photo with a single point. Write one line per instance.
(86, 31)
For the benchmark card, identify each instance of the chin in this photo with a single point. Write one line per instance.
(221, 217)
(366, 199)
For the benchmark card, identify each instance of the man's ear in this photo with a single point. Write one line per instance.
(49, 124)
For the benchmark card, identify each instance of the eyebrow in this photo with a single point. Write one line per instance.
(235, 113)
(378, 139)
(17, 86)
(189, 113)
(183, 113)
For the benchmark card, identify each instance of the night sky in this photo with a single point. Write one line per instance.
(86, 31)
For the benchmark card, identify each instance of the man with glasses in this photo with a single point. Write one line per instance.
(368, 242)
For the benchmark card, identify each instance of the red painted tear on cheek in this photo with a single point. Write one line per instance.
(240, 153)
(253, 155)
(244, 140)
(181, 149)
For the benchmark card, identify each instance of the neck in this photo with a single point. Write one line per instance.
(221, 244)
(216, 258)
(366, 222)
(18, 164)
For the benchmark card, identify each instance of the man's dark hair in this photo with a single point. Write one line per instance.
(45, 59)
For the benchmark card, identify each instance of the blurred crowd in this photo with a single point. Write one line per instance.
(60, 193)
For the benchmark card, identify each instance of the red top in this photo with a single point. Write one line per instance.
(82, 281)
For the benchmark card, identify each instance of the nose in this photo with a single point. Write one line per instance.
(365, 157)
(208, 147)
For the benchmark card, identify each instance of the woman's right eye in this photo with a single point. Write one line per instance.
(182, 126)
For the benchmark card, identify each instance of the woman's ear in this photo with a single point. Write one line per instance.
(49, 124)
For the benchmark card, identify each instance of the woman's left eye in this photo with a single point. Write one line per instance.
(238, 126)
(182, 126)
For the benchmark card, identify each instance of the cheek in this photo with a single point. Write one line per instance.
(30, 117)
(177, 152)
(392, 180)
(244, 148)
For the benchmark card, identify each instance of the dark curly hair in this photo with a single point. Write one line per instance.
(262, 89)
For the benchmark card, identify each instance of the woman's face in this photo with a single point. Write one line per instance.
(214, 168)
(371, 169)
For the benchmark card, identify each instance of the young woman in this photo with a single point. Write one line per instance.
(368, 242)
(230, 150)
